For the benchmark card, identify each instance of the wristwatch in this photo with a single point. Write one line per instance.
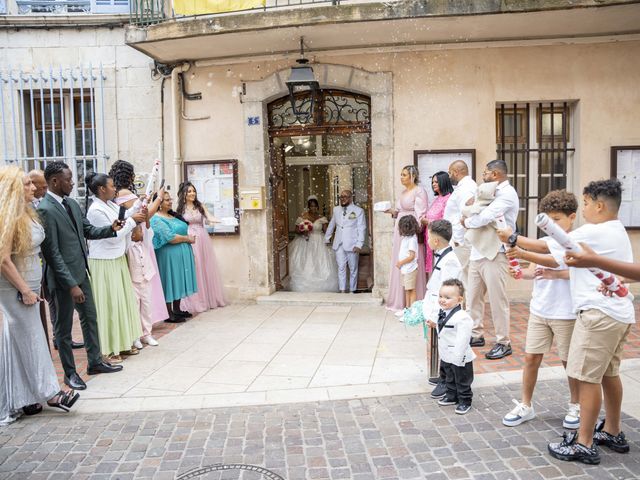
(513, 239)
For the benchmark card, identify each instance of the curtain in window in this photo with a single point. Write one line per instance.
(199, 7)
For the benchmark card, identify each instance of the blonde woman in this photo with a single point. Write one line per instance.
(27, 375)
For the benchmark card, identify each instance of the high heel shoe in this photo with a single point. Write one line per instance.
(173, 318)
(182, 313)
(65, 400)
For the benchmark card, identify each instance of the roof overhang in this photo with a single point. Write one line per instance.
(382, 26)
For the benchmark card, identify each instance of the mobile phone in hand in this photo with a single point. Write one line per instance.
(20, 297)
(161, 184)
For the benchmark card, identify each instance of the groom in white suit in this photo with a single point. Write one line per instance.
(349, 225)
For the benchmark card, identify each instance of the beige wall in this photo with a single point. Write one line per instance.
(441, 100)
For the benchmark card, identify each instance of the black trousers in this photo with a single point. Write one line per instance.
(65, 306)
(459, 381)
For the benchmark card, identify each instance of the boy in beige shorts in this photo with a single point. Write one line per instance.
(551, 309)
(600, 332)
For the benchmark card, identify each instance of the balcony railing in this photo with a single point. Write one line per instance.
(147, 12)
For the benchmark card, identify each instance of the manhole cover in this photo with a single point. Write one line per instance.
(230, 471)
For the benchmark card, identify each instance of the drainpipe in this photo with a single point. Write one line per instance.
(176, 103)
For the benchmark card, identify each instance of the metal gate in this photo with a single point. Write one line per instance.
(54, 115)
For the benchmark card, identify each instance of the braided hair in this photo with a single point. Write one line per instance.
(123, 174)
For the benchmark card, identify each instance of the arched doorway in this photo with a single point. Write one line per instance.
(321, 151)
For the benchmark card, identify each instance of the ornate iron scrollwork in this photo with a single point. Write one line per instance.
(338, 108)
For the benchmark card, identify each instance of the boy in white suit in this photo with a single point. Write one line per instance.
(349, 225)
(456, 356)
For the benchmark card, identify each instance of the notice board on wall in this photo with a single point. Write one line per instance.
(625, 166)
(216, 182)
(428, 162)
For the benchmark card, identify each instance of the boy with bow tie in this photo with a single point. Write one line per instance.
(454, 327)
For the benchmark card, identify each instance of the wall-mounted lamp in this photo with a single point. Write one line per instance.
(302, 79)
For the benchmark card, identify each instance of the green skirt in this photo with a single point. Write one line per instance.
(116, 307)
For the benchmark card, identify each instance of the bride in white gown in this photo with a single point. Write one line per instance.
(312, 264)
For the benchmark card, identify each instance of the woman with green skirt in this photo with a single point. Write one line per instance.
(175, 258)
(116, 305)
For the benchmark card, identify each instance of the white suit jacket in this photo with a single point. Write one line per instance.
(350, 228)
(445, 268)
(454, 338)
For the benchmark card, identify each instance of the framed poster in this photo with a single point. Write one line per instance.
(428, 162)
(216, 182)
(625, 166)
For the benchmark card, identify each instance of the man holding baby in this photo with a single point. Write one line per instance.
(489, 267)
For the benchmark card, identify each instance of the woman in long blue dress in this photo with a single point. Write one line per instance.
(172, 244)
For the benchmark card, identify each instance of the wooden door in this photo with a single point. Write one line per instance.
(365, 263)
(278, 186)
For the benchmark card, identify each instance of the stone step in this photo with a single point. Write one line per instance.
(318, 298)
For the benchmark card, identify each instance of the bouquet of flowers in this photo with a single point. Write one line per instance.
(305, 227)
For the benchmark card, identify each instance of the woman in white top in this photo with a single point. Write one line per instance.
(116, 306)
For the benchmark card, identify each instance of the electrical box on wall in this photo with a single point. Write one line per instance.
(252, 198)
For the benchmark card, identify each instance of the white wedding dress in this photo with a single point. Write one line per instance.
(312, 264)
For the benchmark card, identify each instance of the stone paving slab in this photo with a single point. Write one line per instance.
(405, 436)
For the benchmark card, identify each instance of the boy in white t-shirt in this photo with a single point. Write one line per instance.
(551, 313)
(601, 330)
(445, 266)
(408, 257)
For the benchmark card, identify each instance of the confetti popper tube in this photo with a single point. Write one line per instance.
(549, 227)
(152, 178)
(515, 264)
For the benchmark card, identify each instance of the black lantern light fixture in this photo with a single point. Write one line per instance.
(302, 79)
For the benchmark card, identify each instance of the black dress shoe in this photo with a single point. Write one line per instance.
(103, 367)
(498, 351)
(175, 319)
(477, 342)
(182, 313)
(74, 345)
(74, 381)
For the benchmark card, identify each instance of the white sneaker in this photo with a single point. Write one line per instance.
(149, 340)
(572, 418)
(521, 413)
(138, 344)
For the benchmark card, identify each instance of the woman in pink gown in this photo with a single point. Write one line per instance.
(209, 294)
(413, 201)
(442, 188)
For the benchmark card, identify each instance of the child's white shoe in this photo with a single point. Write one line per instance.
(399, 314)
(149, 340)
(138, 344)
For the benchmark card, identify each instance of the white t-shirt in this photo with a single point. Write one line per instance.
(408, 244)
(552, 298)
(610, 240)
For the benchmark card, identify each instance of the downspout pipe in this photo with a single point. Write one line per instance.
(176, 102)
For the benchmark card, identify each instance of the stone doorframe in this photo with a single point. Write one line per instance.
(255, 98)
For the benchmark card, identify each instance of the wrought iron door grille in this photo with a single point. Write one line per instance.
(534, 136)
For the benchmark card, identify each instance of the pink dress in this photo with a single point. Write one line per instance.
(435, 212)
(209, 294)
(412, 202)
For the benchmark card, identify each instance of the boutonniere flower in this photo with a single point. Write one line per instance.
(352, 216)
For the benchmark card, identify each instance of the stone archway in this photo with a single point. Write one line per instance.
(378, 86)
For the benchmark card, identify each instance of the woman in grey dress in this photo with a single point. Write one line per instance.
(27, 374)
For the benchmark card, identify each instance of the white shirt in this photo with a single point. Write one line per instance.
(101, 214)
(444, 268)
(57, 198)
(462, 192)
(505, 203)
(552, 298)
(408, 244)
(609, 239)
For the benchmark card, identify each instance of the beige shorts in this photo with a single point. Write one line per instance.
(596, 346)
(409, 280)
(541, 332)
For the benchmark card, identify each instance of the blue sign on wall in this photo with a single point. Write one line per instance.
(253, 120)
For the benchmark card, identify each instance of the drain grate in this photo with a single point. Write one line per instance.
(219, 467)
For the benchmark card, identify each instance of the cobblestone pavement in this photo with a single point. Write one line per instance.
(388, 437)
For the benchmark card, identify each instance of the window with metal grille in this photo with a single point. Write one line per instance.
(535, 141)
(54, 116)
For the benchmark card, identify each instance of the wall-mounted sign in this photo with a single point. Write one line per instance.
(253, 120)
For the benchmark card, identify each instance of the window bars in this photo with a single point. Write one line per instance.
(54, 115)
